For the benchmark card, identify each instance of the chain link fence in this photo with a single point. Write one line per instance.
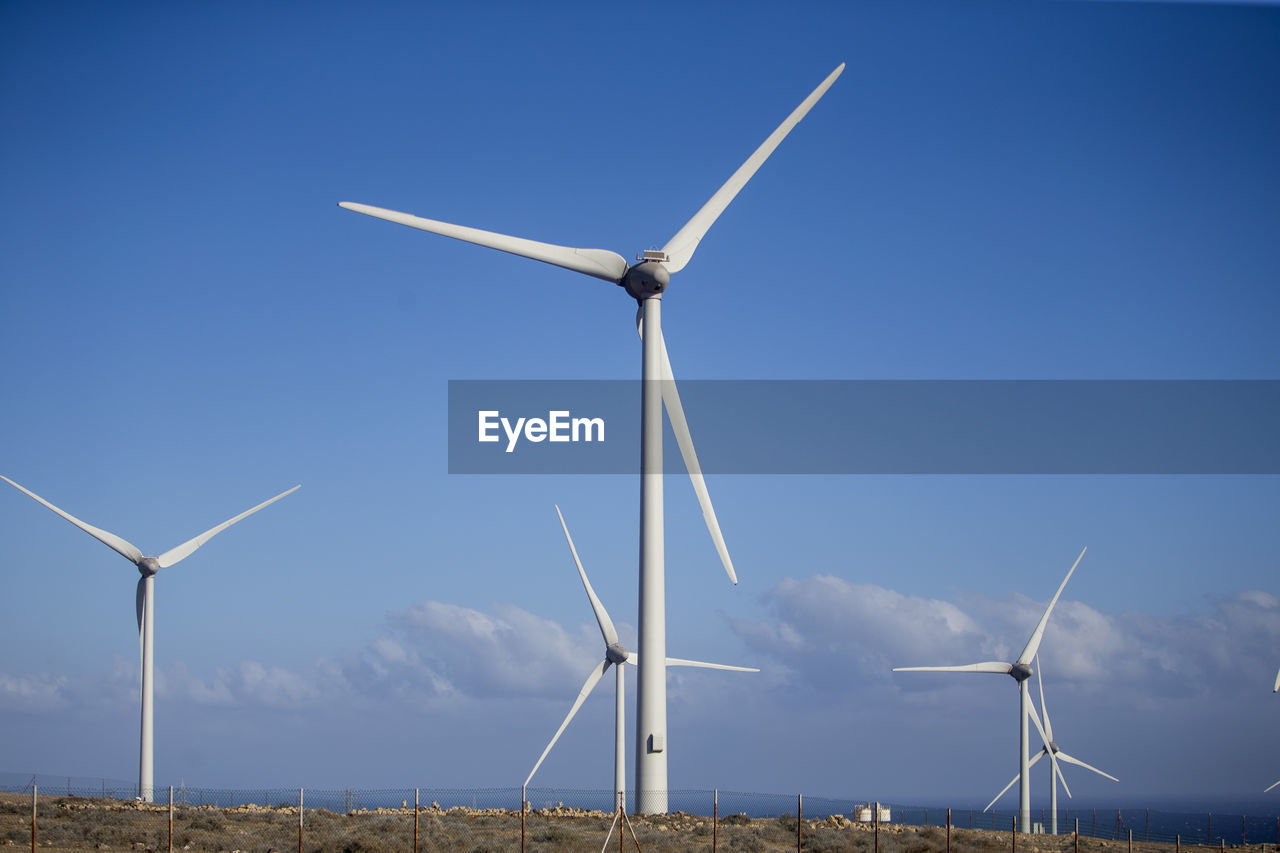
(54, 814)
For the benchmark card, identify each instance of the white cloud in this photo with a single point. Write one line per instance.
(1231, 646)
(28, 693)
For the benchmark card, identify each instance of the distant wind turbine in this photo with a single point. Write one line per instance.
(615, 654)
(147, 566)
(1055, 754)
(646, 282)
(1020, 670)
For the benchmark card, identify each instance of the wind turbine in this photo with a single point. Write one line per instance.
(646, 282)
(147, 566)
(1020, 670)
(615, 654)
(1055, 754)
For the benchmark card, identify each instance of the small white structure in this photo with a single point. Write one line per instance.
(864, 814)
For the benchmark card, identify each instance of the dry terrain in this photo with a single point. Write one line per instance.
(85, 823)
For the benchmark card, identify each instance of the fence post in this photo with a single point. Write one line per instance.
(1077, 835)
(1208, 835)
(715, 818)
(1177, 844)
(875, 821)
(1130, 839)
(299, 820)
(799, 819)
(948, 830)
(522, 810)
(33, 817)
(1147, 836)
(1094, 831)
(170, 819)
(1243, 841)
(415, 821)
(1013, 835)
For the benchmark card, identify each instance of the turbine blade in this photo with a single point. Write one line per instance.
(1273, 784)
(1276, 689)
(1035, 718)
(1058, 772)
(592, 680)
(675, 413)
(1033, 644)
(112, 541)
(680, 248)
(1044, 709)
(1015, 778)
(680, 426)
(985, 666)
(598, 263)
(607, 630)
(1062, 756)
(705, 665)
(140, 602)
(174, 555)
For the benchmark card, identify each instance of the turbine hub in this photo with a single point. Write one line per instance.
(148, 566)
(1053, 747)
(616, 654)
(646, 278)
(1020, 672)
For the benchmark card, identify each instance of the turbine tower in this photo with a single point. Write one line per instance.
(1020, 670)
(1055, 754)
(145, 599)
(645, 282)
(615, 654)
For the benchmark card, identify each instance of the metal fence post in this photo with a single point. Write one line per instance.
(299, 820)
(33, 817)
(948, 830)
(1013, 835)
(1208, 834)
(715, 818)
(799, 819)
(1243, 840)
(170, 819)
(1077, 841)
(415, 820)
(1131, 840)
(875, 822)
(522, 810)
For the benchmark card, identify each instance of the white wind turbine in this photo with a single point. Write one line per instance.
(646, 282)
(615, 654)
(1020, 670)
(147, 566)
(1055, 754)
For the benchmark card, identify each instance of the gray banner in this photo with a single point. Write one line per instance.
(875, 427)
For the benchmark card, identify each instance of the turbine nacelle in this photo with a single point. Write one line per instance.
(616, 654)
(148, 566)
(646, 278)
(1020, 672)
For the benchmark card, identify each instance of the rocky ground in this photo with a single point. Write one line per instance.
(84, 823)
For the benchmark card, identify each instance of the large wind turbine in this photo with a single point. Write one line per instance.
(646, 282)
(147, 566)
(615, 654)
(1021, 671)
(1055, 754)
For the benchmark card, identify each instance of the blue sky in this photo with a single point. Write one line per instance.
(991, 190)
